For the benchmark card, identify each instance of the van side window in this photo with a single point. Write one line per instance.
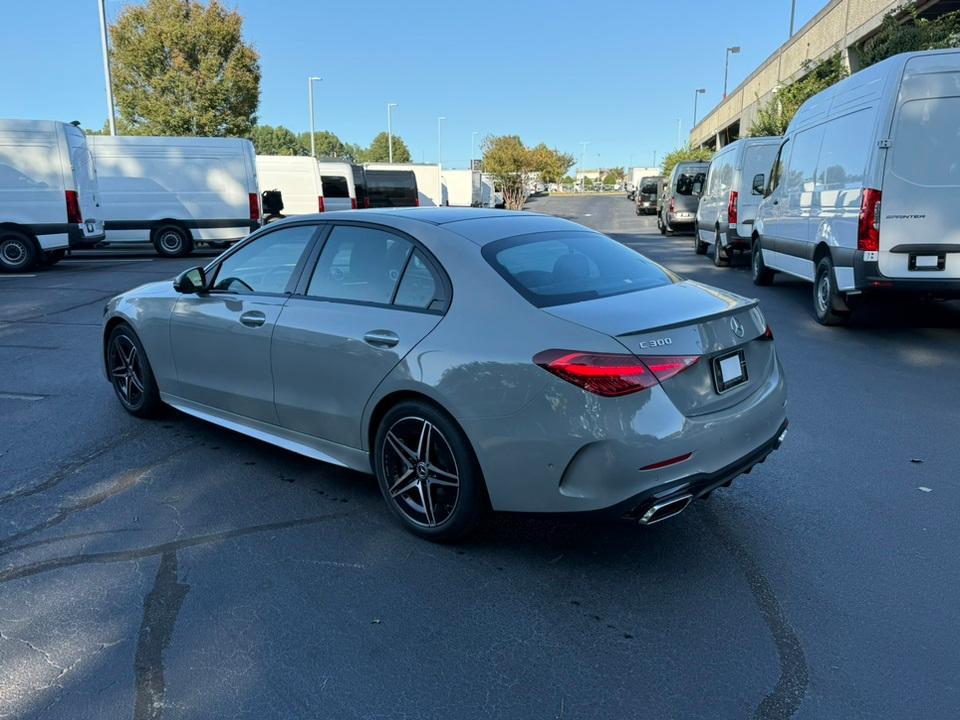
(843, 158)
(335, 186)
(776, 170)
(802, 168)
(926, 147)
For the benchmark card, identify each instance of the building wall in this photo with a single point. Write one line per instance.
(840, 25)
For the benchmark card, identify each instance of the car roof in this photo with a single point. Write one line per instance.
(477, 225)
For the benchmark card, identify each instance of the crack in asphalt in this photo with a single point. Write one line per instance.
(160, 609)
(117, 556)
(784, 700)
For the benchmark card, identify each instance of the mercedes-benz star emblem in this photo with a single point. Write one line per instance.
(737, 327)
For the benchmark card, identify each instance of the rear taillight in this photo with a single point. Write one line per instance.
(611, 374)
(74, 216)
(320, 203)
(353, 203)
(767, 334)
(671, 206)
(366, 203)
(732, 208)
(416, 202)
(254, 200)
(868, 230)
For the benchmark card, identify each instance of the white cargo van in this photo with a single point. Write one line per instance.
(176, 191)
(862, 196)
(429, 186)
(344, 187)
(463, 187)
(298, 180)
(488, 192)
(48, 193)
(728, 206)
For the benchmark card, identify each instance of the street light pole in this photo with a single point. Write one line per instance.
(313, 140)
(735, 50)
(583, 151)
(473, 144)
(440, 160)
(696, 96)
(390, 107)
(793, 14)
(111, 115)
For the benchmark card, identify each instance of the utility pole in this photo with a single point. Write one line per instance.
(696, 96)
(440, 160)
(735, 50)
(111, 114)
(583, 151)
(793, 14)
(390, 107)
(473, 143)
(313, 140)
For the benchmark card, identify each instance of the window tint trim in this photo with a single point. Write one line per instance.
(445, 289)
(253, 237)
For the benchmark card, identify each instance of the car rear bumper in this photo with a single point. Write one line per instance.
(80, 240)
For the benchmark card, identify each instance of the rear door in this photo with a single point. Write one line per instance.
(757, 159)
(85, 175)
(336, 193)
(371, 296)
(920, 215)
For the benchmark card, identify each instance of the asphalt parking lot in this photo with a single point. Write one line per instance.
(174, 569)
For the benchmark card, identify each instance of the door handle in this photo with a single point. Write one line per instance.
(253, 318)
(381, 338)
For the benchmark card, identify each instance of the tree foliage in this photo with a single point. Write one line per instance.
(379, 150)
(899, 34)
(182, 68)
(684, 154)
(269, 140)
(774, 117)
(512, 165)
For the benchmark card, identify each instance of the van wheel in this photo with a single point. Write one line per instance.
(172, 241)
(828, 303)
(18, 253)
(427, 472)
(52, 257)
(700, 248)
(637, 211)
(721, 257)
(660, 227)
(762, 275)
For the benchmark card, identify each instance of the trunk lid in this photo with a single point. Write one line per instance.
(919, 215)
(686, 319)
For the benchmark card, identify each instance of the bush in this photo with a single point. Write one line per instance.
(685, 154)
(915, 33)
(774, 117)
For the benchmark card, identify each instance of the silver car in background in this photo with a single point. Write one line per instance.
(471, 359)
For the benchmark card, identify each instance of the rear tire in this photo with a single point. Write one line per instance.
(700, 248)
(18, 253)
(172, 241)
(721, 257)
(131, 375)
(828, 303)
(660, 227)
(762, 275)
(427, 472)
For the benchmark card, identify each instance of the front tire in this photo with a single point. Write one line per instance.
(427, 472)
(762, 275)
(18, 253)
(720, 256)
(131, 375)
(172, 241)
(700, 248)
(828, 304)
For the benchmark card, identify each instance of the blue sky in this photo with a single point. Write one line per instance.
(612, 73)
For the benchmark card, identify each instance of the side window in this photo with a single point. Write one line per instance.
(335, 186)
(843, 159)
(359, 263)
(776, 170)
(802, 168)
(419, 287)
(711, 180)
(265, 264)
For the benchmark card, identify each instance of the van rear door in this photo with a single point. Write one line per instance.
(919, 212)
(85, 175)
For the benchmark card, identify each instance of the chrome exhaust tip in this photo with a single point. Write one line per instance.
(664, 509)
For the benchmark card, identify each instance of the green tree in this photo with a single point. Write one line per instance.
(685, 154)
(774, 117)
(898, 34)
(182, 68)
(269, 140)
(512, 166)
(328, 145)
(550, 163)
(380, 152)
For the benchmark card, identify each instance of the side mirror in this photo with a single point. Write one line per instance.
(191, 281)
(758, 184)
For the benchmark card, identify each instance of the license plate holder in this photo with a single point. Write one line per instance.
(927, 263)
(729, 371)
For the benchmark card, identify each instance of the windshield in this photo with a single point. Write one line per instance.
(690, 183)
(556, 268)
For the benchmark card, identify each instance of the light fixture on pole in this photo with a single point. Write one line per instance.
(111, 114)
(390, 107)
(696, 96)
(735, 50)
(313, 141)
(440, 159)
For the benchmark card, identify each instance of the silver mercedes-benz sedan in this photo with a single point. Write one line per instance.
(470, 359)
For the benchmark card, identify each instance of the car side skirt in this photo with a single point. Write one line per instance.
(302, 444)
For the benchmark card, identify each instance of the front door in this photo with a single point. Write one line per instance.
(221, 338)
(371, 298)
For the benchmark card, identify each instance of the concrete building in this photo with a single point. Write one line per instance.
(839, 27)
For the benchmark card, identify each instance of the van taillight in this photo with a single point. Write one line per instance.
(868, 229)
(732, 208)
(254, 201)
(416, 201)
(672, 205)
(353, 203)
(74, 216)
(320, 203)
(366, 203)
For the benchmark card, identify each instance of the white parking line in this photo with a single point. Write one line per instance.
(16, 276)
(20, 396)
(111, 260)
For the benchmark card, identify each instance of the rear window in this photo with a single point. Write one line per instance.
(649, 187)
(557, 268)
(391, 188)
(691, 183)
(927, 147)
(335, 186)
